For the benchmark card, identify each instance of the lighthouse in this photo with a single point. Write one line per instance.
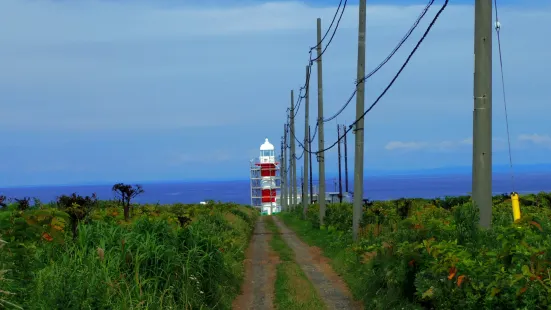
(266, 180)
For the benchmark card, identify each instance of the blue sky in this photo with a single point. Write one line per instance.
(172, 90)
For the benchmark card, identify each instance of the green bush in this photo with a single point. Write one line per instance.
(431, 254)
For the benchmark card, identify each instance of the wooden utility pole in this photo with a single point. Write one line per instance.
(306, 143)
(310, 161)
(345, 159)
(359, 130)
(301, 183)
(321, 144)
(339, 155)
(282, 172)
(293, 154)
(482, 116)
(287, 166)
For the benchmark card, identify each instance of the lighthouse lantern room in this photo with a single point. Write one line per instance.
(266, 180)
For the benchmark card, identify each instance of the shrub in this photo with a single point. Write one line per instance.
(432, 254)
(78, 208)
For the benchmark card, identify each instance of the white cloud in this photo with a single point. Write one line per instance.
(399, 145)
(451, 145)
(446, 145)
(110, 65)
(112, 20)
(537, 139)
(95, 69)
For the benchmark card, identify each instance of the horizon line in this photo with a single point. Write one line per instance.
(450, 170)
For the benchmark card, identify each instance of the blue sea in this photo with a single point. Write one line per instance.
(375, 188)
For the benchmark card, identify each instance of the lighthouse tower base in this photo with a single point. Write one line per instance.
(269, 210)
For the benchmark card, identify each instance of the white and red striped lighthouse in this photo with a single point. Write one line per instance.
(264, 180)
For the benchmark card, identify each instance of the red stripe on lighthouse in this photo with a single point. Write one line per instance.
(267, 169)
(269, 195)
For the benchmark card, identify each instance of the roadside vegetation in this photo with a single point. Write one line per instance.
(82, 253)
(431, 254)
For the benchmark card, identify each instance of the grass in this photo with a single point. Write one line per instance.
(293, 290)
(149, 262)
(431, 254)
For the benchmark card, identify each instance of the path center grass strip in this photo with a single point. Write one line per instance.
(293, 290)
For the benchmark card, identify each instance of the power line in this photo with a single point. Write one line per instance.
(498, 27)
(350, 127)
(396, 48)
(300, 96)
(310, 60)
(330, 26)
(395, 76)
(334, 32)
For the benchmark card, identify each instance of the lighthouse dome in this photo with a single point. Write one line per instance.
(267, 152)
(267, 146)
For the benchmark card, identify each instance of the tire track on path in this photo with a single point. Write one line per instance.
(260, 272)
(329, 285)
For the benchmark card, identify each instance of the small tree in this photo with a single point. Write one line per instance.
(182, 213)
(37, 203)
(23, 204)
(126, 193)
(77, 207)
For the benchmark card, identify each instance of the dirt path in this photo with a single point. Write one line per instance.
(260, 272)
(329, 285)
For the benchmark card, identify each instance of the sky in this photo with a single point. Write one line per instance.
(120, 90)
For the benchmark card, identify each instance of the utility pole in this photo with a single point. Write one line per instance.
(286, 161)
(310, 161)
(290, 169)
(339, 155)
(293, 154)
(482, 116)
(301, 183)
(306, 142)
(282, 173)
(345, 159)
(321, 155)
(359, 130)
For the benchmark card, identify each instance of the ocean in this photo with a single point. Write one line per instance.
(375, 188)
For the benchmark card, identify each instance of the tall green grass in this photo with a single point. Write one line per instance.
(150, 263)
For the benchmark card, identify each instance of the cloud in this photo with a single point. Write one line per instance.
(499, 144)
(111, 65)
(149, 20)
(173, 77)
(446, 145)
(537, 139)
(399, 145)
